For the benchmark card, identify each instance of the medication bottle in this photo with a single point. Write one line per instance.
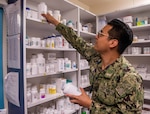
(28, 13)
(42, 8)
(53, 89)
(65, 43)
(42, 93)
(34, 69)
(40, 63)
(73, 65)
(57, 15)
(28, 69)
(34, 93)
(58, 41)
(69, 88)
(29, 97)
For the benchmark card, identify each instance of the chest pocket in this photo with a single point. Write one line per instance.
(105, 87)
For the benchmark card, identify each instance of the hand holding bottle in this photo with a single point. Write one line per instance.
(50, 19)
(83, 99)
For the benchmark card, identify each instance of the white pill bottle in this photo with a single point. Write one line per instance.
(69, 88)
(42, 8)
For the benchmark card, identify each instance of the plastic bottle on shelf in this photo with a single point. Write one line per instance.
(58, 41)
(57, 15)
(50, 12)
(28, 69)
(73, 65)
(42, 8)
(28, 13)
(33, 59)
(34, 69)
(52, 42)
(42, 93)
(40, 63)
(65, 43)
(34, 93)
(29, 96)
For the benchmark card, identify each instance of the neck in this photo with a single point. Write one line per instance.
(108, 58)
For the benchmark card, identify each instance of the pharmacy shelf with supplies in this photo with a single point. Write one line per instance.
(46, 57)
(139, 51)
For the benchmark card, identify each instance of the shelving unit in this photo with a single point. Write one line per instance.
(32, 27)
(140, 59)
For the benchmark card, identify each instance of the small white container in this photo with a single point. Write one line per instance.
(34, 69)
(57, 15)
(43, 43)
(42, 8)
(50, 12)
(69, 88)
(28, 13)
(35, 95)
(73, 65)
(28, 69)
(40, 63)
(29, 97)
(42, 93)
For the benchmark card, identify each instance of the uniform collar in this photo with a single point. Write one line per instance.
(112, 68)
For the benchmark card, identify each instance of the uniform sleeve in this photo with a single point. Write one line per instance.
(127, 98)
(84, 48)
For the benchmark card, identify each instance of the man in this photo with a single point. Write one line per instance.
(116, 86)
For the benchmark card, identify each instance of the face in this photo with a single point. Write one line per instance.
(102, 43)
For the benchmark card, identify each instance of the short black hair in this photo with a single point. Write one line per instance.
(122, 32)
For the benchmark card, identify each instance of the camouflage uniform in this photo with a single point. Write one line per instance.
(117, 89)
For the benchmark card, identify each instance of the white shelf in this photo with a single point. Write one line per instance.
(39, 25)
(146, 106)
(47, 74)
(141, 27)
(85, 68)
(44, 100)
(141, 31)
(147, 94)
(147, 97)
(136, 55)
(141, 42)
(55, 49)
(37, 28)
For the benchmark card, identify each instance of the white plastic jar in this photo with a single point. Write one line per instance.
(34, 93)
(28, 69)
(40, 63)
(29, 97)
(42, 8)
(69, 88)
(34, 69)
(42, 93)
(57, 15)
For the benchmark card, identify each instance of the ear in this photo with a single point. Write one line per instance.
(113, 43)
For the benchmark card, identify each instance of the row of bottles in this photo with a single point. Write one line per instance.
(38, 64)
(52, 42)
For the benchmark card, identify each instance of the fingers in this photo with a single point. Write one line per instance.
(82, 90)
(74, 101)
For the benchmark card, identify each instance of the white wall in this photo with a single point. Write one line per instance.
(80, 4)
(112, 5)
(3, 2)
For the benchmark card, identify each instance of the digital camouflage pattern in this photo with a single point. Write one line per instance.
(117, 89)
